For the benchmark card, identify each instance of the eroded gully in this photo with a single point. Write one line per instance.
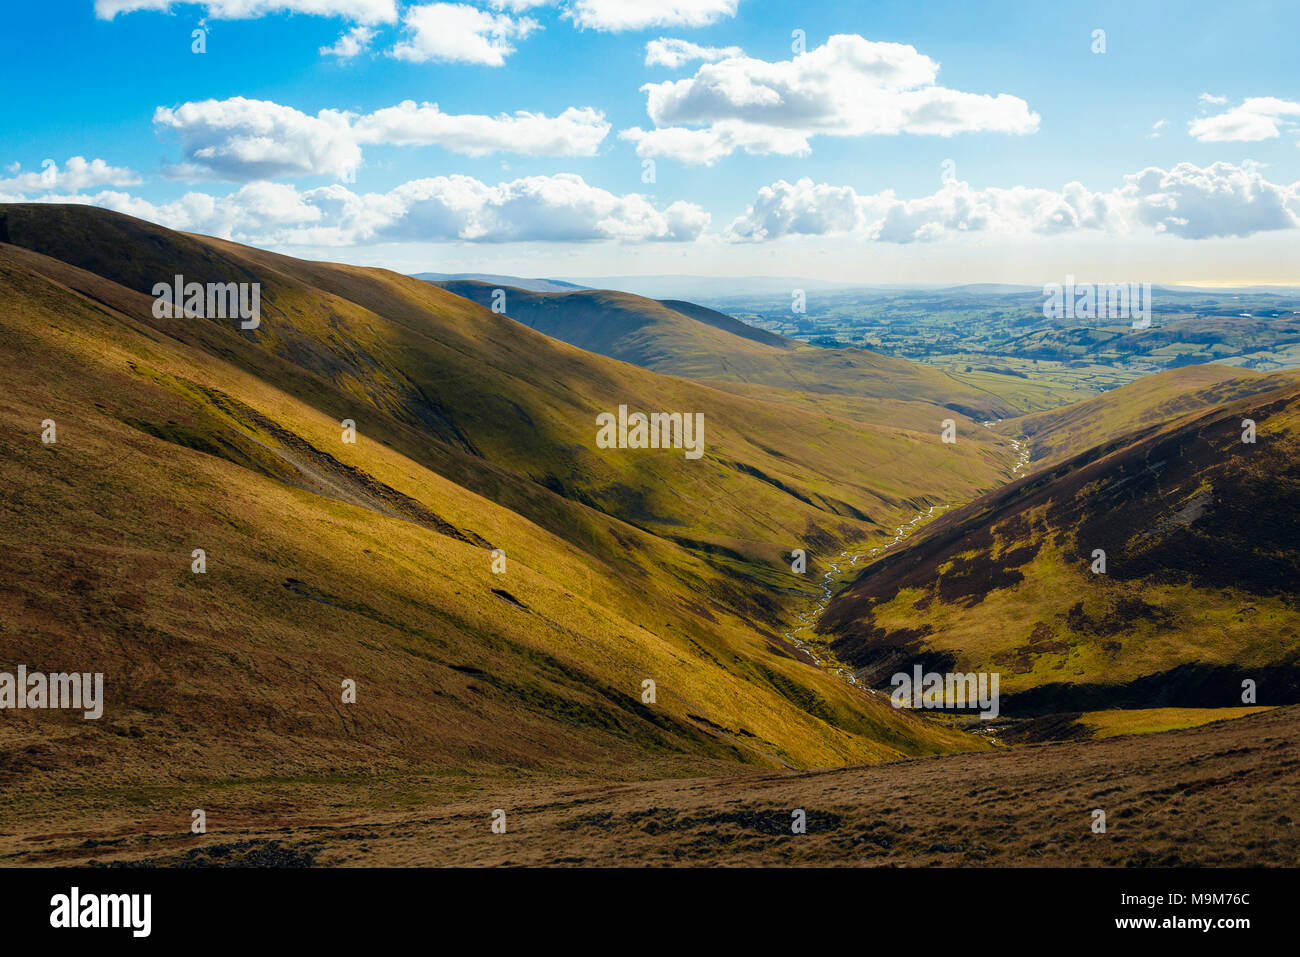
(808, 619)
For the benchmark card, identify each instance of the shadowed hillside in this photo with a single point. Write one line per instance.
(1202, 552)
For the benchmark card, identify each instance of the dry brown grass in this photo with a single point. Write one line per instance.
(1218, 795)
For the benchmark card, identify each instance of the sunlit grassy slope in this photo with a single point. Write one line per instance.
(1149, 402)
(1202, 553)
(1111, 724)
(494, 406)
(372, 561)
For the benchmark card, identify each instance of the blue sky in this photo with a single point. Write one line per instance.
(905, 142)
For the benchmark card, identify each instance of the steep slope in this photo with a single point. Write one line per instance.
(683, 339)
(410, 363)
(1058, 434)
(1201, 537)
(720, 320)
(372, 561)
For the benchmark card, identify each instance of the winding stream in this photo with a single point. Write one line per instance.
(810, 618)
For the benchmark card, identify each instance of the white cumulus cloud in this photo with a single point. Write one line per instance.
(849, 86)
(242, 140)
(1218, 200)
(676, 53)
(1187, 201)
(459, 33)
(574, 132)
(559, 208)
(77, 173)
(1255, 118)
(350, 44)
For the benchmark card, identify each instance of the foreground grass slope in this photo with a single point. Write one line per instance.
(1220, 795)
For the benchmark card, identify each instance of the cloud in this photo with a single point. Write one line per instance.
(459, 33)
(849, 86)
(241, 140)
(350, 44)
(674, 53)
(1156, 129)
(1186, 201)
(1217, 200)
(78, 173)
(614, 16)
(559, 208)
(575, 132)
(1256, 118)
(356, 11)
(805, 208)
(707, 146)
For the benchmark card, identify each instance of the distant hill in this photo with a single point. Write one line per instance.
(518, 282)
(683, 339)
(599, 319)
(720, 320)
(705, 287)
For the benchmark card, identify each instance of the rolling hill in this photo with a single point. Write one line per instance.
(373, 560)
(536, 285)
(1058, 434)
(1200, 540)
(683, 339)
(379, 562)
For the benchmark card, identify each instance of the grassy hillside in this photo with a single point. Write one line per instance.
(1200, 534)
(372, 561)
(1056, 435)
(686, 340)
(502, 410)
